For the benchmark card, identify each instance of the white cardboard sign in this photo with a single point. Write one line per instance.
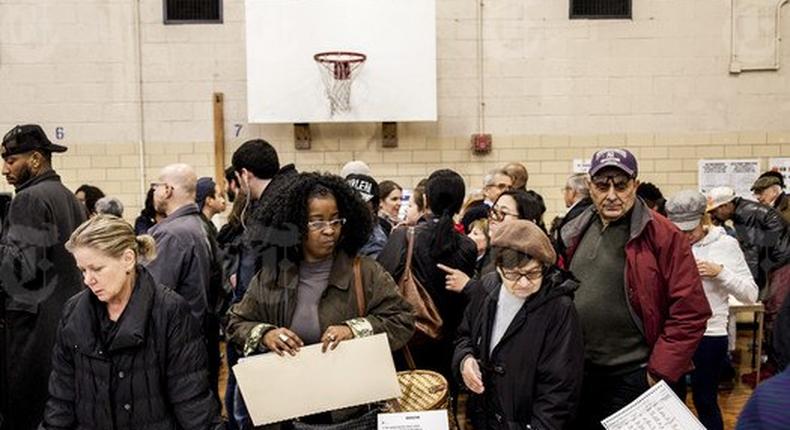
(358, 372)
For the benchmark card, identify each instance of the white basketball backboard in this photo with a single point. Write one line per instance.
(397, 81)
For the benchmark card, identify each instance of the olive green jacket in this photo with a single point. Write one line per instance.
(270, 302)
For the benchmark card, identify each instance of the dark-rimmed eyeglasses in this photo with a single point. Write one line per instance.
(322, 225)
(499, 214)
(515, 276)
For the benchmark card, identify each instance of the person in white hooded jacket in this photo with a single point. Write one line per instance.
(724, 272)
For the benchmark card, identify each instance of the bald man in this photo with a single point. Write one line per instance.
(183, 255)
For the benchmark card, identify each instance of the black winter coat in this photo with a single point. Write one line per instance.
(533, 377)
(764, 237)
(37, 276)
(150, 375)
(434, 355)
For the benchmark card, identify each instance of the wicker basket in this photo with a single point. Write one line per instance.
(422, 390)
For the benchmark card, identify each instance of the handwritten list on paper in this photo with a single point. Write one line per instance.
(657, 409)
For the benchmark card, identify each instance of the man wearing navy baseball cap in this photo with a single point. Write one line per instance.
(641, 303)
(37, 274)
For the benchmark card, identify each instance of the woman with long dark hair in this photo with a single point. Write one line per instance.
(436, 242)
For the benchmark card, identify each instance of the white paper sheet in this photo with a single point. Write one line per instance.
(359, 371)
(657, 409)
(425, 420)
(736, 174)
(781, 165)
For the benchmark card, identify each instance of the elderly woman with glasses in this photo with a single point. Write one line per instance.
(519, 349)
(305, 295)
(510, 205)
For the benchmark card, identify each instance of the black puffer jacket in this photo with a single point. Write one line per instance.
(151, 375)
(764, 236)
(533, 377)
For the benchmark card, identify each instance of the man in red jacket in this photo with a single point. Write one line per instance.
(641, 303)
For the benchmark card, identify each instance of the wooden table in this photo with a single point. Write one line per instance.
(758, 309)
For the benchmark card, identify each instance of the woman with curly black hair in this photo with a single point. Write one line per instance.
(307, 296)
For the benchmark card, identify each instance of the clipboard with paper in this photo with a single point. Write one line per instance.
(358, 372)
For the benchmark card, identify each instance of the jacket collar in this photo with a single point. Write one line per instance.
(781, 202)
(131, 331)
(556, 283)
(641, 216)
(49, 175)
(187, 209)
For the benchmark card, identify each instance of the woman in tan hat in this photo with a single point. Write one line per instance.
(519, 349)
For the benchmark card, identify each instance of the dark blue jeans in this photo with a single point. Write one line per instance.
(709, 362)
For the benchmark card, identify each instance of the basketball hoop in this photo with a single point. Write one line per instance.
(338, 70)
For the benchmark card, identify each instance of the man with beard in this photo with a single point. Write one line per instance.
(37, 274)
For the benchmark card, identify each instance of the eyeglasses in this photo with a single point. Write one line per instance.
(499, 215)
(514, 276)
(501, 186)
(154, 185)
(603, 183)
(322, 225)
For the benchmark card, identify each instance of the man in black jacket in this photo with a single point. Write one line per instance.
(763, 234)
(764, 237)
(37, 274)
(211, 201)
(259, 176)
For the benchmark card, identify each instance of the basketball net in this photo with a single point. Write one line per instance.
(338, 70)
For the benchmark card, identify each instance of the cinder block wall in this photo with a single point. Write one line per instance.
(555, 90)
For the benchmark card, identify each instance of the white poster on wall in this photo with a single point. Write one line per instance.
(341, 60)
(581, 165)
(736, 174)
(781, 165)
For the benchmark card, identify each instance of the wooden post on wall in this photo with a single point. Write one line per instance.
(219, 138)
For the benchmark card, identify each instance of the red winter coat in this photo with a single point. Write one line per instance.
(662, 284)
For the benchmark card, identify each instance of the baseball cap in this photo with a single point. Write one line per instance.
(622, 159)
(719, 196)
(366, 186)
(28, 137)
(686, 208)
(205, 186)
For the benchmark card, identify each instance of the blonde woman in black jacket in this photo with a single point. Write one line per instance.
(128, 353)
